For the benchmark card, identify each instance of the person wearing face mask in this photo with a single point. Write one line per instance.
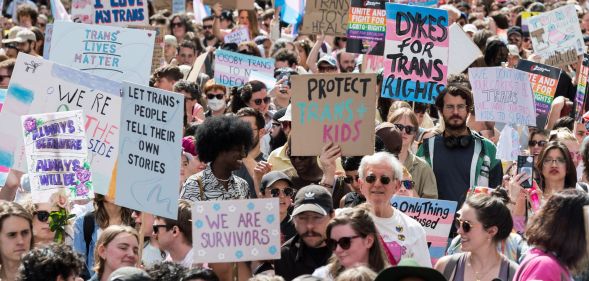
(215, 95)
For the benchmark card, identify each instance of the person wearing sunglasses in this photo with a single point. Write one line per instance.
(307, 251)
(215, 94)
(209, 39)
(277, 184)
(354, 241)
(407, 187)
(380, 178)
(423, 175)
(537, 142)
(354, 197)
(483, 222)
(180, 25)
(40, 212)
(175, 236)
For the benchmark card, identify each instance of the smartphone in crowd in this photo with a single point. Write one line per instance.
(525, 164)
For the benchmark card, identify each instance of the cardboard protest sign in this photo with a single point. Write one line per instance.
(416, 53)
(233, 69)
(336, 108)
(115, 53)
(162, 5)
(57, 155)
(60, 88)
(463, 52)
(327, 16)
(110, 12)
(502, 95)
(238, 36)
(436, 217)
(525, 17)
(232, 4)
(556, 36)
(582, 77)
(151, 146)
(366, 27)
(235, 230)
(544, 80)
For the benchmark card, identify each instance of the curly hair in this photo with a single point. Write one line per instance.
(49, 262)
(222, 133)
(200, 273)
(167, 271)
(455, 90)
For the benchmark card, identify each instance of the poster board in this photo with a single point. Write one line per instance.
(581, 92)
(61, 88)
(250, 230)
(57, 155)
(151, 146)
(327, 16)
(157, 59)
(336, 108)
(231, 4)
(544, 80)
(436, 217)
(366, 27)
(47, 41)
(3, 169)
(112, 52)
(526, 15)
(556, 36)
(110, 12)
(234, 69)
(415, 66)
(463, 52)
(502, 95)
(240, 35)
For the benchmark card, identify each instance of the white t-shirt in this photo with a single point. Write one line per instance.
(186, 262)
(323, 273)
(404, 237)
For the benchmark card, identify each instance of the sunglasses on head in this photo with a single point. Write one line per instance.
(288, 192)
(344, 243)
(466, 225)
(539, 143)
(42, 216)
(408, 184)
(212, 96)
(408, 129)
(383, 179)
(350, 179)
(266, 100)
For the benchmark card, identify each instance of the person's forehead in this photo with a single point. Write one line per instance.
(450, 99)
(310, 214)
(280, 184)
(186, 50)
(380, 167)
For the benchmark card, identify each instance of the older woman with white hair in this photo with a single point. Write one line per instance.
(403, 237)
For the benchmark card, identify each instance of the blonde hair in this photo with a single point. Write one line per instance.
(562, 134)
(360, 273)
(107, 236)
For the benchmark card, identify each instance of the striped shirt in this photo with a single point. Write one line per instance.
(213, 188)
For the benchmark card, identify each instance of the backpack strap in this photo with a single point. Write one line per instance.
(88, 230)
(450, 268)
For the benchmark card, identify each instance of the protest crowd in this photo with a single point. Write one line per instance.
(307, 140)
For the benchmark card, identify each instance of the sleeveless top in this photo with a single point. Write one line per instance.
(457, 264)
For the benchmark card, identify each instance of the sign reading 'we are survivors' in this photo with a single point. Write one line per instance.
(337, 108)
(416, 53)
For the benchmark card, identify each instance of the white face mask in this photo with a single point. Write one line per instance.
(216, 104)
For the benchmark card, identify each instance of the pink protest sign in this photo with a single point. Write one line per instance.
(436, 217)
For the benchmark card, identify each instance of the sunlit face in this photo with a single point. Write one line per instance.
(554, 166)
(144, 219)
(243, 18)
(41, 229)
(574, 148)
(260, 101)
(347, 62)
(477, 236)
(358, 253)
(537, 148)
(455, 112)
(178, 28)
(122, 251)
(25, 21)
(403, 191)
(352, 180)
(186, 56)
(580, 131)
(378, 193)
(311, 227)
(279, 188)
(164, 84)
(407, 138)
(15, 238)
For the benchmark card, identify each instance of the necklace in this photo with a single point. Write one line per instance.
(476, 273)
(222, 180)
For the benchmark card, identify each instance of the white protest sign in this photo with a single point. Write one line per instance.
(151, 146)
(556, 36)
(263, 77)
(38, 86)
(235, 230)
(508, 144)
(112, 52)
(110, 12)
(55, 145)
(238, 36)
(462, 50)
(502, 95)
(234, 69)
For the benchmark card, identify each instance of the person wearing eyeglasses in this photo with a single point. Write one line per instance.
(423, 175)
(460, 158)
(402, 236)
(537, 142)
(175, 236)
(354, 241)
(307, 250)
(216, 102)
(483, 222)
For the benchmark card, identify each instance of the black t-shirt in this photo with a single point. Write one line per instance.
(297, 259)
(452, 170)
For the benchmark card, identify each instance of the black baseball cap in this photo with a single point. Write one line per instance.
(409, 268)
(272, 177)
(313, 198)
(129, 273)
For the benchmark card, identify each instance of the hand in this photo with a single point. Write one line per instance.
(516, 191)
(261, 169)
(559, 102)
(217, 9)
(210, 49)
(329, 153)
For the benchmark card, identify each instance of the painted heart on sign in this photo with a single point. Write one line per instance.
(270, 218)
(239, 254)
(149, 34)
(272, 250)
